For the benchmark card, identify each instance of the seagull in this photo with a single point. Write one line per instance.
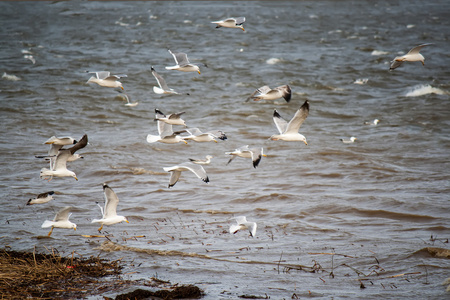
(163, 88)
(55, 145)
(61, 220)
(172, 119)
(241, 224)
(41, 198)
(266, 93)
(374, 122)
(132, 104)
(289, 131)
(205, 161)
(197, 135)
(349, 141)
(104, 78)
(60, 168)
(187, 166)
(109, 214)
(412, 55)
(231, 23)
(254, 153)
(165, 135)
(182, 63)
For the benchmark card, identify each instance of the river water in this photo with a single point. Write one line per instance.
(331, 216)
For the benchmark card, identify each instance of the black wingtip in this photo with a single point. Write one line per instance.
(51, 192)
(276, 114)
(206, 179)
(105, 186)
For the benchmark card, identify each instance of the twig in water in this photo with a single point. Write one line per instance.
(281, 255)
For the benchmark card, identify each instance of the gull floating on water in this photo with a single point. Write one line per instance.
(172, 119)
(41, 198)
(374, 122)
(349, 141)
(289, 131)
(187, 166)
(165, 135)
(254, 153)
(60, 166)
(61, 220)
(231, 23)
(109, 214)
(412, 55)
(182, 63)
(266, 93)
(242, 224)
(104, 78)
(197, 135)
(163, 88)
(205, 161)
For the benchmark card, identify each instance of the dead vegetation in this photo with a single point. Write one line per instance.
(46, 276)
(51, 276)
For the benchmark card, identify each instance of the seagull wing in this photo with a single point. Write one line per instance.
(164, 129)
(174, 176)
(161, 82)
(197, 170)
(81, 144)
(180, 58)
(280, 123)
(239, 20)
(176, 115)
(256, 156)
(417, 49)
(62, 214)
(285, 91)
(298, 119)
(61, 159)
(111, 201)
(101, 74)
(395, 64)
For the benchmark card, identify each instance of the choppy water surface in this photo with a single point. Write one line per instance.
(374, 203)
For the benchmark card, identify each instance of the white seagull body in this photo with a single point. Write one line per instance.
(165, 135)
(289, 131)
(163, 88)
(61, 220)
(109, 214)
(188, 166)
(266, 93)
(254, 153)
(41, 198)
(242, 224)
(374, 122)
(412, 55)
(104, 78)
(197, 135)
(182, 63)
(205, 161)
(60, 166)
(172, 119)
(349, 141)
(231, 23)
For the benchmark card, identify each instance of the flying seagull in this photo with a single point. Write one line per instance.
(242, 224)
(187, 166)
(61, 220)
(412, 55)
(104, 78)
(289, 131)
(163, 88)
(41, 198)
(182, 63)
(266, 93)
(109, 214)
(231, 23)
(254, 153)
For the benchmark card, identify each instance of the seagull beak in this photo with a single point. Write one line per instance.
(185, 142)
(75, 228)
(127, 221)
(264, 155)
(122, 88)
(76, 178)
(306, 143)
(198, 72)
(242, 28)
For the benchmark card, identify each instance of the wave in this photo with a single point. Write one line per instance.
(425, 89)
